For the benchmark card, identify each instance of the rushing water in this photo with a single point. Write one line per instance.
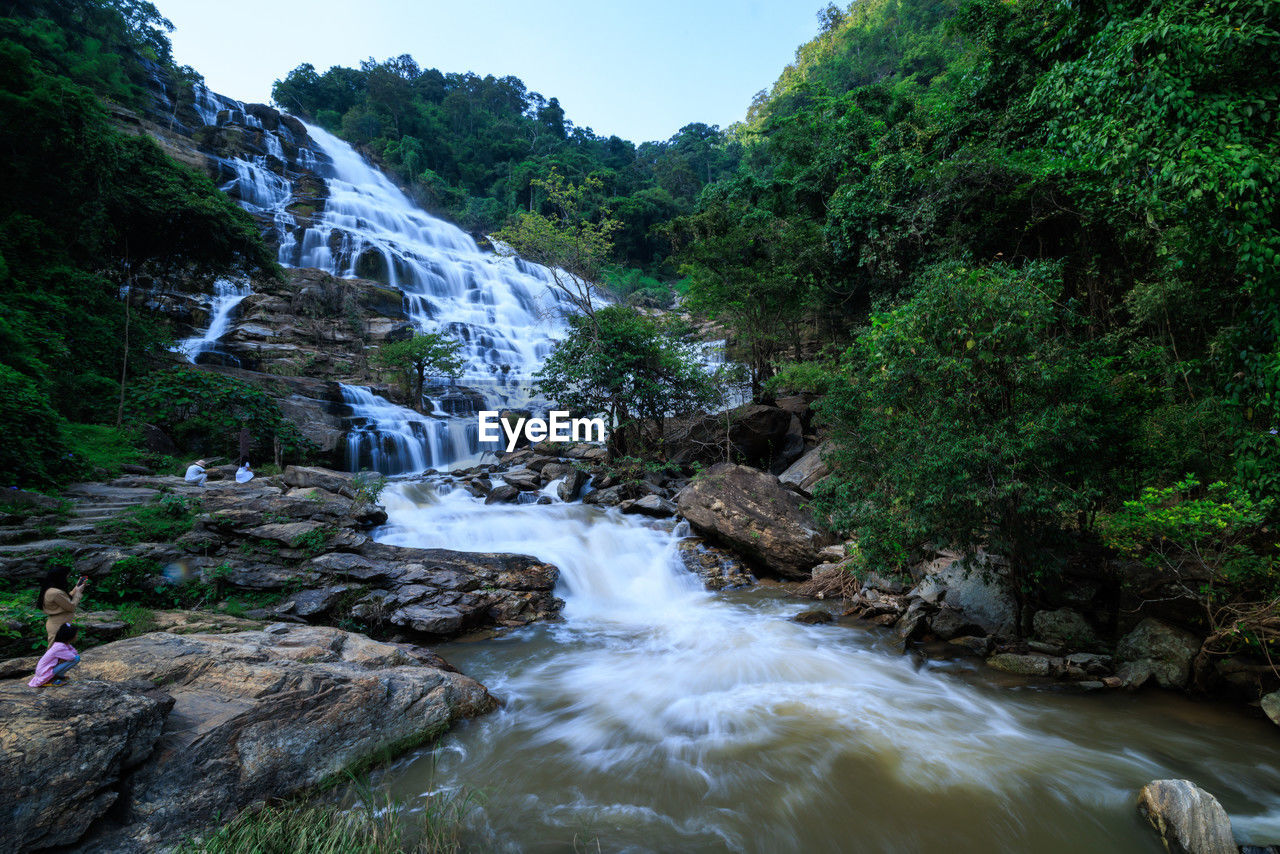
(505, 313)
(659, 717)
(227, 296)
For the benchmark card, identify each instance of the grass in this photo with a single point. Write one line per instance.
(101, 447)
(161, 522)
(372, 826)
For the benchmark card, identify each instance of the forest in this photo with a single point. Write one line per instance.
(1024, 254)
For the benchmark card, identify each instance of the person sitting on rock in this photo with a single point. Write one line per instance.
(60, 657)
(58, 605)
(195, 473)
(244, 474)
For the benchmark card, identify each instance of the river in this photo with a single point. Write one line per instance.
(660, 717)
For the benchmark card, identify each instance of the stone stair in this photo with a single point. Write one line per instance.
(95, 503)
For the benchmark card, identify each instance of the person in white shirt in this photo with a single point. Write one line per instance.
(195, 473)
(244, 474)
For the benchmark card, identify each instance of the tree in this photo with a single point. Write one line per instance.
(425, 354)
(631, 369)
(571, 243)
(966, 417)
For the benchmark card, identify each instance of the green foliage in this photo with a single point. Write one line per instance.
(372, 826)
(314, 542)
(968, 416)
(571, 243)
(100, 449)
(628, 368)
(204, 412)
(1200, 537)
(21, 623)
(476, 147)
(162, 522)
(368, 485)
(413, 360)
(86, 211)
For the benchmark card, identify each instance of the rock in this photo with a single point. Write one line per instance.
(1188, 819)
(976, 645)
(523, 479)
(1271, 707)
(949, 622)
(980, 591)
(751, 513)
(1160, 648)
(832, 554)
(63, 750)
(1022, 665)
(876, 581)
(650, 505)
(503, 494)
(1064, 626)
(311, 603)
(574, 480)
(813, 617)
(913, 621)
(157, 441)
(805, 472)
(610, 497)
(333, 481)
(260, 715)
(718, 568)
(1095, 664)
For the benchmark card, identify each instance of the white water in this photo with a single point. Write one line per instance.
(659, 717)
(503, 311)
(227, 295)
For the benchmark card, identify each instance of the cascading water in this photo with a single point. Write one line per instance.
(227, 295)
(658, 717)
(505, 312)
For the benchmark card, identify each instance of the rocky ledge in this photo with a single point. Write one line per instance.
(302, 540)
(160, 735)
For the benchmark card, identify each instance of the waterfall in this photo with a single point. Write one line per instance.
(504, 311)
(227, 295)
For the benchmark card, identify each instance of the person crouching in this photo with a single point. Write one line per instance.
(60, 657)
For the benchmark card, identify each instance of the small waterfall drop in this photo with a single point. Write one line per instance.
(227, 296)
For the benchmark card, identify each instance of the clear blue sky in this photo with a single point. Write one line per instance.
(640, 70)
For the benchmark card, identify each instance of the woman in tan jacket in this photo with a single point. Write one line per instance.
(58, 605)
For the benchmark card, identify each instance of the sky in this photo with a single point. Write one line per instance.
(641, 70)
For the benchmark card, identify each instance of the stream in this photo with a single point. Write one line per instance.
(660, 717)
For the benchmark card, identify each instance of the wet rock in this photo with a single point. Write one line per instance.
(813, 617)
(948, 622)
(650, 505)
(1188, 819)
(976, 645)
(338, 482)
(805, 473)
(1022, 665)
(574, 481)
(751, 513)
(1157, 650)
(261, 715)
(914, 620)
(1271, 707)
(503, 494)
(523, 479)
(980, 590)
(1097, 665)
(63, 750)
(1064, 626)
(718, 568)
(610, 497)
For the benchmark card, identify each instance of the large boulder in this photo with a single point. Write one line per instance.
(1188, 819)
(62, 751)
(805, 472)
(1064, 626)
(718, 568)
(753, 515)
(259, 715)
(340, 482)
(1156, 650)
(977, 588)
(1271, 707)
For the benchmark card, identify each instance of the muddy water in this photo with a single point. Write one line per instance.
(659, 717)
